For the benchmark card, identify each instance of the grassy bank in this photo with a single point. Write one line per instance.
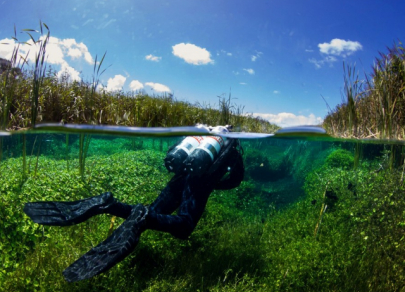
(33, 93)
(373, 106)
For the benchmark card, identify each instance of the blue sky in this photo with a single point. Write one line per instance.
(277, 58)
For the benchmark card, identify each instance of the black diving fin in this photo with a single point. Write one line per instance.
(111, 251)
(68, 213)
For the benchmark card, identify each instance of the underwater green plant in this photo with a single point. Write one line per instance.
(83, 149)
(340, 158)
(343, 235)
(1, 148)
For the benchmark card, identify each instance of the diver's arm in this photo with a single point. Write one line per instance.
(236, 175)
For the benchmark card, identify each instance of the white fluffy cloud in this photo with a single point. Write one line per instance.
(74, 50)
(192, 54)
(250, 71)
(339, 47)
(116, 83)
(57, 52)
(153, 58)
(289, 119)
(331, 51)
(135, 85)
(158, 87)
(72, 73)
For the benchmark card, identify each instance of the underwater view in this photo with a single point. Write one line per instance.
(312, 213)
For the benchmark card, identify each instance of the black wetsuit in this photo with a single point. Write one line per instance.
(189, 194)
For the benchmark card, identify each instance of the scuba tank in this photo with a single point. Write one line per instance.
(204, 154)
(176, 156)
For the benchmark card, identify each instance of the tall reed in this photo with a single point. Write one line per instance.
(90, 93)
(1, 148)
(374, 108)
(84, 142)
(9, 82)
(24, 153)
(38, 151)
(32, 154)
(358, 153)
(39, 69)
(67, 151)
(352, 91)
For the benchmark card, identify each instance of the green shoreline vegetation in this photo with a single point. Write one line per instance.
(373, 107)
(39, 95)
(339, 227)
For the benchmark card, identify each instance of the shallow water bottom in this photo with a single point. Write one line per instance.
(309, 215)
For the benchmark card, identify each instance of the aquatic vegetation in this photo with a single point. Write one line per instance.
(83, 148)
(340, 158)
(345, 234)
(369, 210)
(126, 177)
(263, 168)
(1, 148)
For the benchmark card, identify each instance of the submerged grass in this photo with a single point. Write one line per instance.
(346, 234)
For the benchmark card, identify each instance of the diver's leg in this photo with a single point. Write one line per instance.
(69, 213)
(194, 199)
(111, 251)
(124, 239)
(170, 197)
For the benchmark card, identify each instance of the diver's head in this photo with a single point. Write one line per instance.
(220, 129)
(216, 129)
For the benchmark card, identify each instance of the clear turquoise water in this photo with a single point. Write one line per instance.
(67, 164)
(275, 164)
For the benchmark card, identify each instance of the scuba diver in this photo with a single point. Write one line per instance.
(200, 164)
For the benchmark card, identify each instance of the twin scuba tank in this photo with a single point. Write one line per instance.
(195, 154)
